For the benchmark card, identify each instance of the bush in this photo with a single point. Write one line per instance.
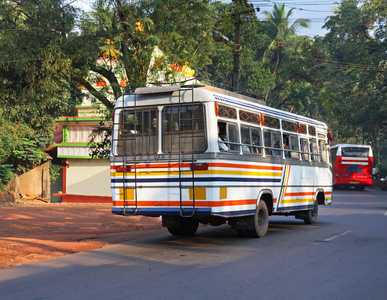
(21, 149)
(6, 174)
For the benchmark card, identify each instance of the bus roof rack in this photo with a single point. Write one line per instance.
(159, 87)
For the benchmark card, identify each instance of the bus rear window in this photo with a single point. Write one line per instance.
(137, 131)
(183, 129)
(354, 152)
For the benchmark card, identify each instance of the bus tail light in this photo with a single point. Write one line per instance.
(199, 166)
(126, 168)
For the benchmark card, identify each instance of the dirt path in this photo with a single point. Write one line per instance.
(33, 231)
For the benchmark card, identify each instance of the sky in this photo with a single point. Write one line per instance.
(314, 10)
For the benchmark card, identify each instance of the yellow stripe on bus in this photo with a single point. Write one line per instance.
(297, 200)
(210, 172)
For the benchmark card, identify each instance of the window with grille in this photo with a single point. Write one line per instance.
(227, 112)
(289, 126)
(271, 122)
(183, 129)
(137, 131)
(249, 117)
(302, 128)
(312, 130)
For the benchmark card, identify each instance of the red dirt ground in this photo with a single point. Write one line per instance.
(32, 230)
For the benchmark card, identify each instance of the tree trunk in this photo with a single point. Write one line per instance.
(376, 148)
(275, 71)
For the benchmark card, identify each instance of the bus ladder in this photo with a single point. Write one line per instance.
(186, 209)
(129, 203)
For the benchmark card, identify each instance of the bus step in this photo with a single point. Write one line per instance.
(129, 211)
(187, 212)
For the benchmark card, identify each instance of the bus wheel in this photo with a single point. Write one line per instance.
(311, 214)
(187, 227)
(261, 221)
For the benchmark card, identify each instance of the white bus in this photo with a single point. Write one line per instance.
(199, 154)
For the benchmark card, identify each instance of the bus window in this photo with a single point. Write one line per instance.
(137, 131)
(249, 117)
(222, 136)
(256, 141)
(286, 145)
(354, 152)
(227, 112)
(272, 143)
(312, 130)
(305, 149)
(183, 125)
(271, 122)
(333, 154)
(233, 137)
(323, 150)
(293, 145)
(246, 139)
(267, 140)
(313, 148)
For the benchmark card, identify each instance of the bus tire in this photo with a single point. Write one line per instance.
(261, 221)
(188, 227)
(311, 214)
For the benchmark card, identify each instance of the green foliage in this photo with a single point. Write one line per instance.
(20, 148)
(30, 154)
(339, 78)
(6, 174)
(55, 171)
(281, 34)
(355, 77)
(34, 76)
(253, 77)
(376, 12)
(101, 134)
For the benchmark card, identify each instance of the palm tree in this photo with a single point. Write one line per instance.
(281, 33)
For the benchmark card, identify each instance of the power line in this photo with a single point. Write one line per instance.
(315, 3)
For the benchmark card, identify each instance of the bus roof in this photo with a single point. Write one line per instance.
(203, 93)
(350, 145)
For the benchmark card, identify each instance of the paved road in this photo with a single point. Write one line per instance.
(343, 256)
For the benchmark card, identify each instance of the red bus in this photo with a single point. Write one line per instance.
(351, 166)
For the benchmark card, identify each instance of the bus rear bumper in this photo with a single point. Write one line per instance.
(155, 212)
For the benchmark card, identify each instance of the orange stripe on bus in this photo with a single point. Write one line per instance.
(240, 166)
(186, 203)
(300, 194)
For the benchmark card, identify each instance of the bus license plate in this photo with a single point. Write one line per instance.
(354, 182)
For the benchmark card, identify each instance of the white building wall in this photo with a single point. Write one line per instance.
(74, 152)
(88, 177)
